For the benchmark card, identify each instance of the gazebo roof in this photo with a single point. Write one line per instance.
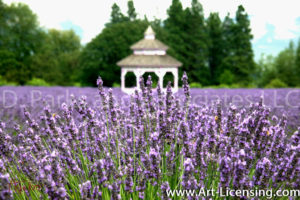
(149, 61)
(146, 44)
(149, 42)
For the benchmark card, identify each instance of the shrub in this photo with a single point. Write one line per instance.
(251, 85)
(4, 82)
(236, 85)
(195, 85)
(116, 85)
(227, 78)
(37, 82)
(77, 84)
(276, 83)
(218, 86)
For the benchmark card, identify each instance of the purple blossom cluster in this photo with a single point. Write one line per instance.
(154, 143)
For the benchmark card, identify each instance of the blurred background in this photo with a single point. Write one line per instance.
(222, 44)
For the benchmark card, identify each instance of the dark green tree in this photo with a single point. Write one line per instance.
(243, 48)
(174, 26)
(175, 16)
(3, 25)
(116, 16)
(228, 35)
(131, 11)
(228, 49)
(216, 47)
(61, 51)
(20, 32)
(12, 70)
(196, 44)
(160, 32)
(265, 70)
(297, 63)
(20, 37)
(239, 54)
(285, 66)
(100, 56)
(175, 39)
(2, 7)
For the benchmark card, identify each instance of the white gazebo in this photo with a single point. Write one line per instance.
(149, 55)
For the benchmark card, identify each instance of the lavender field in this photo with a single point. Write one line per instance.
(98, 143)
(280, 101)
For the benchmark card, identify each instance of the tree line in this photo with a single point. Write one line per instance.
(30, 54)
(282, 70)
(213, 51)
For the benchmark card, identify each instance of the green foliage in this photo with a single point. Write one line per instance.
(100, 56)
(232, 86)
(227, 78)
(168, 77)
(239, 58)
(11, 69)
(61, 50)
(130, 80)
(277, 83)
(116, 85)
(243, 38)
(297, 63)
(37, 82)
(27, 51)
(174, 33)
(195, 85)
(249, 85)
(20, 37)
(223, 86)
(131, 11)
(216, 47)
(217, 86)
(265, 71)
(77, 84)
(20, 32)
(116, 16)
(208, 49)
(187, 38)
(196, 44)
(285, 66)
(4, 82)
(175, 16)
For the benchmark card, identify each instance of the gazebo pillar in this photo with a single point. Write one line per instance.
(123, 73)
(137, 74)
(175, 74)
(161, 78)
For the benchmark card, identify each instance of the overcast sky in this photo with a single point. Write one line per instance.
(273, 23)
